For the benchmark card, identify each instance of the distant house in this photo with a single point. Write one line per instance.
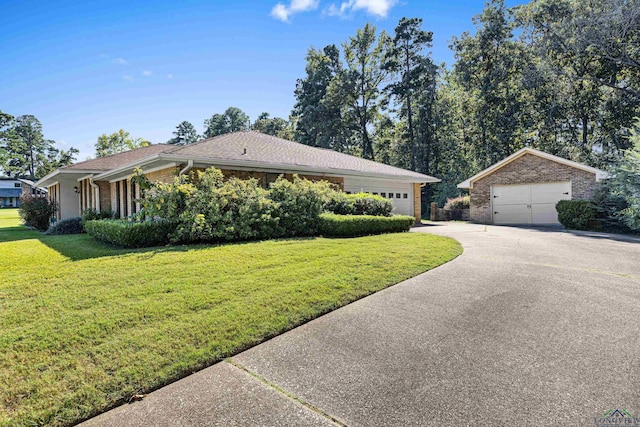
(11, 189)
(106, 182)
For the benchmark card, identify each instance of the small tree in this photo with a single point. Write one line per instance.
(626, 181)
(36, 211)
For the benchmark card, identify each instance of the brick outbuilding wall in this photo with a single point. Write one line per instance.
(524, 170)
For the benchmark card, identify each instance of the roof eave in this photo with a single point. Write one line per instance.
(468, 184)
(45, 180)
(298, 168)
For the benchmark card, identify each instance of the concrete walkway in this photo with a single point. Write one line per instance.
(527, 327)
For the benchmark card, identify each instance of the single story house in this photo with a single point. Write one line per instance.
(525, 187)
(11, 189)
(106, 182)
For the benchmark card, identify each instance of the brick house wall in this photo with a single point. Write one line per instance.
(105, 194)
(164, 175)
(524, 170)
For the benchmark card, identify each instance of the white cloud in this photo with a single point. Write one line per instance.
(120, 61)
(127, 77)
(282, 12)
(146, 73)
(378, 8)
(169, 76)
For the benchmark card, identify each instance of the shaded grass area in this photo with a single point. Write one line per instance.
(83, 326)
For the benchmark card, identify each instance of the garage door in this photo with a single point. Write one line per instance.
(528, 203)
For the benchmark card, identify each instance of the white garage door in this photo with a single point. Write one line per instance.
(528, 203)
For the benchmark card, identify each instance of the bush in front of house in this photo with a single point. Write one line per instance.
(370, 204)
(359, 204)
(460, 202)
(129, 234)
(226, 211)
(66, 226)
(332, 225)
(204, 207)
(299, 204)
(90, 215)
(577, 214)
(36, 211)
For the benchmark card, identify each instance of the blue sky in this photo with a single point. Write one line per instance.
(94, 67)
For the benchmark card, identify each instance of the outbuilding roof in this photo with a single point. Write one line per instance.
(600, 174)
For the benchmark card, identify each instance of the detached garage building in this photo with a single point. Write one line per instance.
(525, 187)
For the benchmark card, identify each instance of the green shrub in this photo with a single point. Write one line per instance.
(66, 226)
(299, 205)
(130, 234)
(332, 225)
(577, 214)
(609, 206)
(90, 215)
(36, 211)
(234, 210)
(359, 204)
(339, 204)
(461, 202)
(369, 204)
(626, 181)
(167, 201)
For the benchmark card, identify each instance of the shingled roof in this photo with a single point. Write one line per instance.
(255, 148)
(119, 159)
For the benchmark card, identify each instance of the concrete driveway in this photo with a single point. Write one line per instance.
(527, 327)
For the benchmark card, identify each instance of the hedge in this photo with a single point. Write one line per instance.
(332, 225)
(130, 234)
(577, 214)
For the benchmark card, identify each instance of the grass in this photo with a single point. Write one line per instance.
(83, 325)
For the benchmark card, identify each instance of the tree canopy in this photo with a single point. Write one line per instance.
(117, 142)
(25, 152)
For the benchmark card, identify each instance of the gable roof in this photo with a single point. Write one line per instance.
(114, 160)
(250, 149)
(600, 174)
(103, 164)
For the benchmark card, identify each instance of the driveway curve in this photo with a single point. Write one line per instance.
(527, 327)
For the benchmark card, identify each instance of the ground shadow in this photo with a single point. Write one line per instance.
(599, 235)
(16, 233)
(78, 247)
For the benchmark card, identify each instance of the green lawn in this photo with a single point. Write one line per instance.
(83, 326)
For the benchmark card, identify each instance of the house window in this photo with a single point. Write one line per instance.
(375, 194)
(16, 185)
(397, 195)
(383, 194)
(405, 196)
(391, 195)
(348, 192)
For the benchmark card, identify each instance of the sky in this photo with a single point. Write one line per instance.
(94, 67)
